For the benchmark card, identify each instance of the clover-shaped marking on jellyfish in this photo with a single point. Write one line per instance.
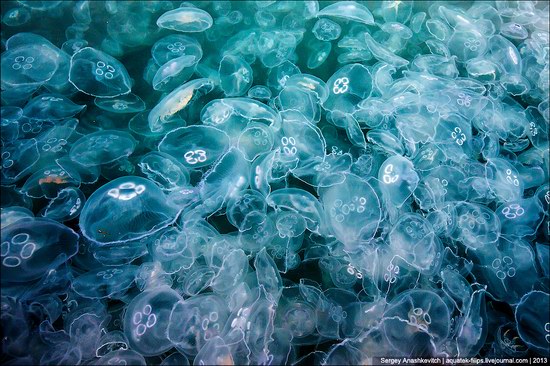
(391, 274)
(126, 191)
(390, 176)
(504, 267)
(472, 43)
(512, 211)
(458, 136)
(18, 249)
(300, 319)
(144, 320)
(6, 161)
(464, 100)
(340, 85)
(22, 62)
(512, 178)
(289, 145)
(108, 273)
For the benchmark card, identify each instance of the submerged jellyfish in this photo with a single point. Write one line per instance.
(102, 147)
(186, 19)
(96, 73)
(147, 320)
(125, 209)
(32, 246)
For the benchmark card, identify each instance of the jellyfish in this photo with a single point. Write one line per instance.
(124, 210)
(102, 147)
(96, 73)
(195, 321)
(33, 246)
(186, 19)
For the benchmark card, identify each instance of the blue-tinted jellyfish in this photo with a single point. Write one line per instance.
(98, 74)
(31, 247)
(197, 280)
(51, 107)
(504, 179)
(260, 92)
(353, 210)
(233, 270)
(415, 322)
(129, 103)
(195, 146)
(348, 10)
(148, 318)
(224, 181)
(105, 283)
(66, 206)
(163, 169)
(347, 87)
(13, 214)
(186, 19)
(102, 147)
(125, 209)
(255, 140)
(49, 181)
(246, 202)
(16, 17)
(180, 98)
(28, 65)
(326, 30)
(111, 341)
(477, 226)
(175, 46)
(196, 320)
(520, 218)
(508, 269)
(174, 72)
(413, 239)
(235, 74)
(175, 359)
(533, 321)
(121, 357)
(171, 249)
(398, 179)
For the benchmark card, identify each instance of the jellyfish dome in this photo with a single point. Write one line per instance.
(125, 209)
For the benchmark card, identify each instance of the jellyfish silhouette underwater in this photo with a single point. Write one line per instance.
(273, 182)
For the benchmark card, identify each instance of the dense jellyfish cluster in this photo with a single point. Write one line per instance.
(273, 182)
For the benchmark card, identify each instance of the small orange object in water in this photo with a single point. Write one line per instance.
(50, 179)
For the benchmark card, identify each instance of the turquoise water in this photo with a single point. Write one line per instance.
(274, 182)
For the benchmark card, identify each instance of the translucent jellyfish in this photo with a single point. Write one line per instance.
(176, 101)
(267, 274)
(278, 75)
(347, 87)
(477, 226)
(260, 92)
(467, 44)
(353, 210)
(51, 107)
(416, 320)
(520, 218)
(121, 357)
(196, 320)
(163, 169)
(246, 202)
(398, 179)
(96, 73)
(111, 341)
(382, 53)
(16, 17)
(348, 10)
(533, 321)
(236, 75)
(396, 11)
(233, 270)
(28, 65)
(129, 103)
(326, 30)
(13, 214)
(302, 202)
(507, 268)
(175, 359)
(233, 114)
(147, 320)
(505, 181)
(102, 147)
(105, 283)
(255, 140)
(31, 247)
(318, 53)
(224, 181)
(125, 209)
(538, 123)
(195, 146)
(174, 73)
(175, 46)
(256, 231)
(186, 19)
(197, 280)
(65, 206)
(413, 239)
(49, 181)
(18, 159)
